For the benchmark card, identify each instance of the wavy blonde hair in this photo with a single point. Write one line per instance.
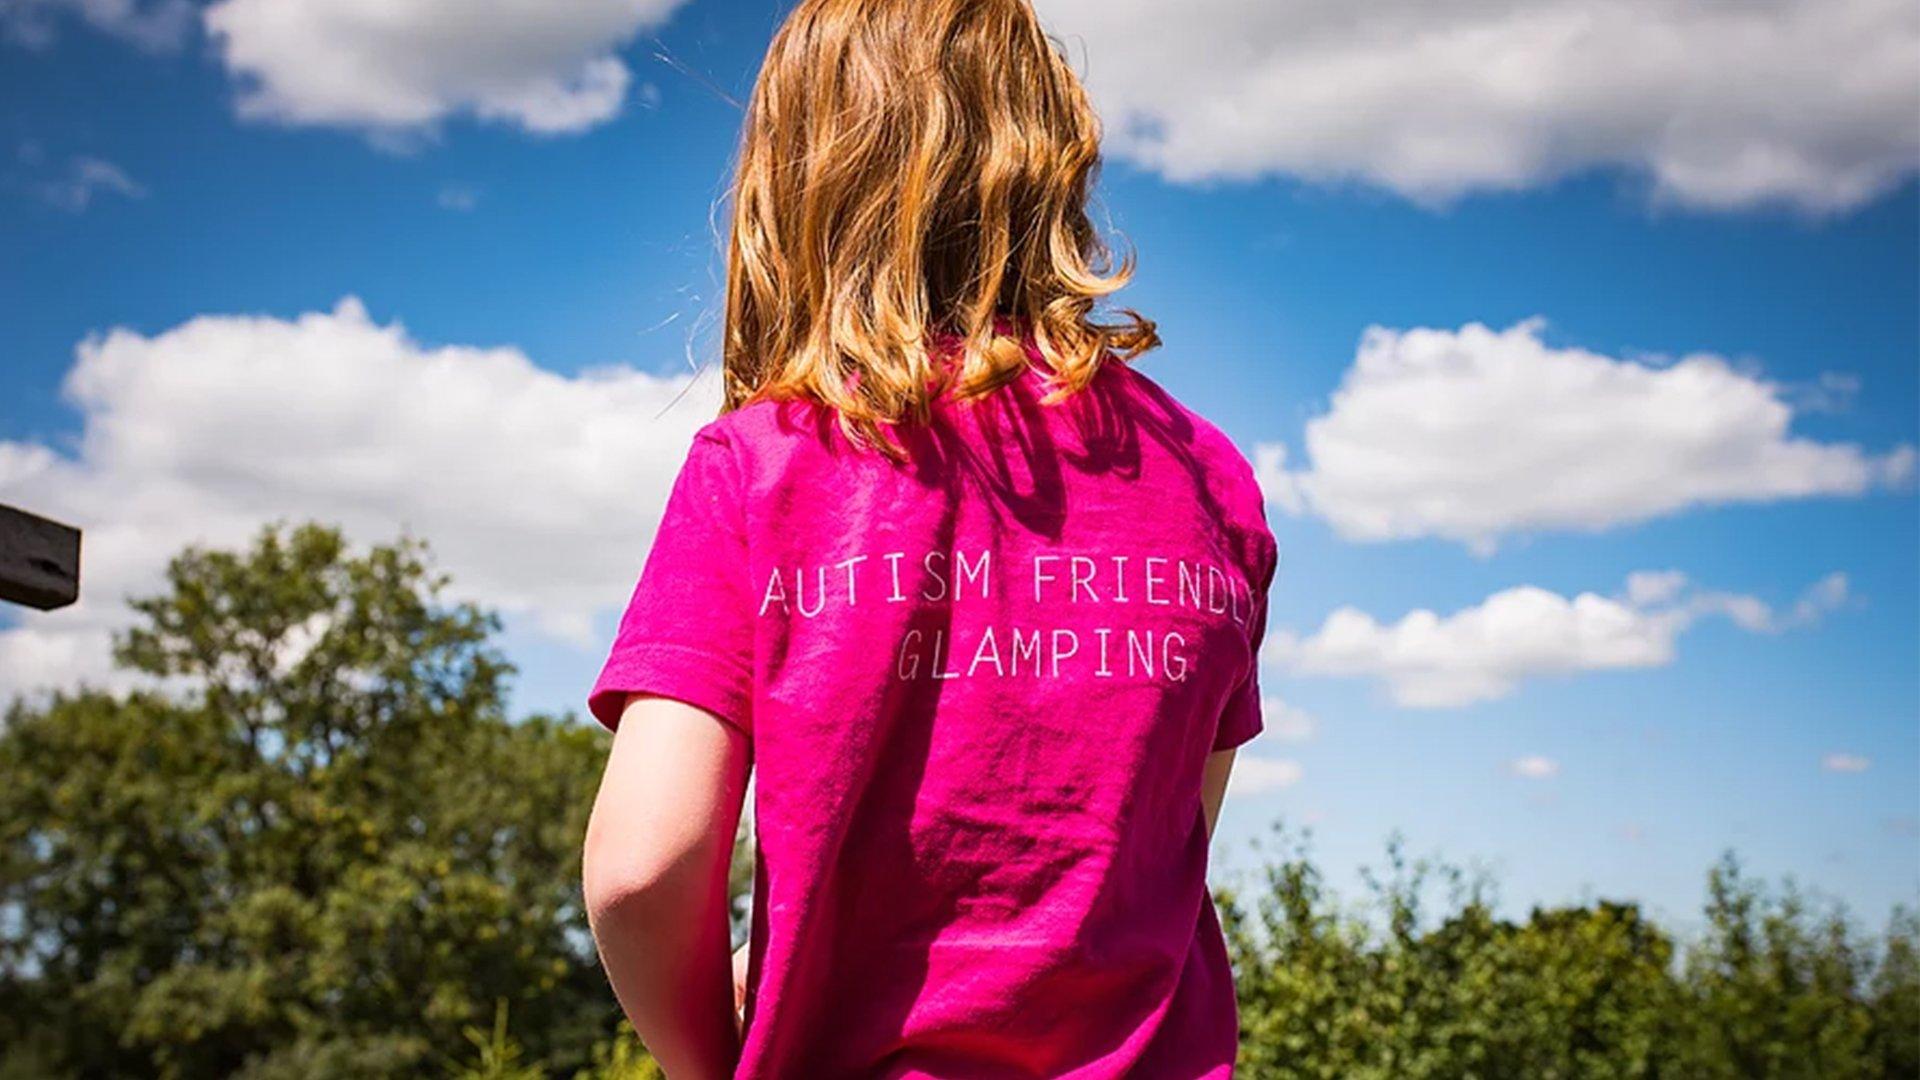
(912, 170)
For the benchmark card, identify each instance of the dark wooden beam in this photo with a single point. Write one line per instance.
(39, 560)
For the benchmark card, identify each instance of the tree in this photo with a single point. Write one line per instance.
(1777, 989)
(316, 848)
(1774, 990)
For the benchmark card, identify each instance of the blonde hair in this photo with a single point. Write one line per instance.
(911, 170)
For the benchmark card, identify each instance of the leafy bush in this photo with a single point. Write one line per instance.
(1773, 988)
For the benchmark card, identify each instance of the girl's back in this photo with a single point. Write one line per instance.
(977, 600)
(980, 686)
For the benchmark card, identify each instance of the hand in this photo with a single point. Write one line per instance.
(740, 985)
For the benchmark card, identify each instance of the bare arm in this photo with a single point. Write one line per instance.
(655, 877)
(1213, 785)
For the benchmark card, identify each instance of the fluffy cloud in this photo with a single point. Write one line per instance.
(159, 26)
(1718, 105)
(1474, 434)
(1484, 652)
(539, 492)
(1845, 763)
(1286, 721)
(1534, 767)
(1254, 776)
(412, 63)
(84, 180)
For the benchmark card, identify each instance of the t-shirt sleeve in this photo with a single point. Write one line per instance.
(687, 632)
(1241, 719)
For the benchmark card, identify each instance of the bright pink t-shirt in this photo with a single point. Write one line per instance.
(979, 689)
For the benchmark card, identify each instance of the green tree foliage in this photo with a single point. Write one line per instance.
(318, 848)
(1773, 989)
(1777, 989)
(315, 846)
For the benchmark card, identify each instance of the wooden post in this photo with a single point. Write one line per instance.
(39, 560)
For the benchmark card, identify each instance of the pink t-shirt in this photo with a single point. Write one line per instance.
(979, 689)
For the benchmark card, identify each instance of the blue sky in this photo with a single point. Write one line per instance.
(552, 265)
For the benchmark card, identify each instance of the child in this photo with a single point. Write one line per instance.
(979, 604)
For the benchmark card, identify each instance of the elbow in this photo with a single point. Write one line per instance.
(622, 885)
(606, 892)
(615, 882)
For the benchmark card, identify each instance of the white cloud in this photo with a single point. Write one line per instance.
(402, 66)
(1832, 392)
(1534, 767)
(160, 26)
(1830, 593)
(457, 197)
(1254, 776)
(87, 178)
(1845, 763)
(1475, 434)
(1286, 721)
(1646, 588)
(538, 492)
(1718, 105)
(1484, 652)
